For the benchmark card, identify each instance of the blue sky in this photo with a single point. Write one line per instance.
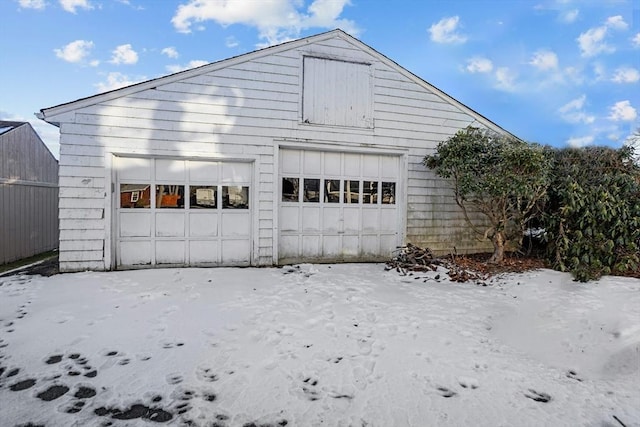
(557, 72)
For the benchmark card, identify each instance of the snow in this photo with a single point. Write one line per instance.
(311, 345)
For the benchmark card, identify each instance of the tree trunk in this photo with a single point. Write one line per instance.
(498, 248)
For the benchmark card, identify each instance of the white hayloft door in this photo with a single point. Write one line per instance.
(182, 212)
(337, 206)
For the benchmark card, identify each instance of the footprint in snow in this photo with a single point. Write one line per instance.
(56, 358)
(22, 385)
(174, 379)
(72, 408)
(53, 392)
(468, 382)
(309, 389)
(365, 346)
(206, 374)
(537, 396)
(573, 375)
(171, 344)
(445, 392)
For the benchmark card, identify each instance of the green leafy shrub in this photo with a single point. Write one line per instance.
(498, 176)
(592, 220)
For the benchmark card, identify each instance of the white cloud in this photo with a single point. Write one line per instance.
(505, 78)
(635, 41)
(626, 75)
(32, 4)
(75, 51)
(575, 104)
(276, 20)
(72, 5)
(616, 22)
(445, 31)
(623, 111)
(479, 65)
(570, 16)
(124, 54)
(117, 80)
(592, 42)
(582, 141)
(170, 51)
(544, 60)
(573, 111)
(192, 64)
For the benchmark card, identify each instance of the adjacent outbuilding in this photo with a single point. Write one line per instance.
(28, 193)
(308, 151)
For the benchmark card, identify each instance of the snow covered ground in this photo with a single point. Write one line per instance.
(318, 345)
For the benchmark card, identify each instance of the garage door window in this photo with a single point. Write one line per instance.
(351, 191)
(311, 190)
(202, 197)
(290, 189)
(388, 193)
(235, 197)
(332, 191)
(135, 196)
(170, 196)
(370, 192)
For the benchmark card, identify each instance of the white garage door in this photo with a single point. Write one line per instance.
(337, 206)
(182, 212)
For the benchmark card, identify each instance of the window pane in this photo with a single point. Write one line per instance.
(135, 196)
(235, 197)
(370, 192)
(388, 193)
(170, 196)
(311, 190)
(351, 191)
(202, 197)
(290, 188)
(332, 191)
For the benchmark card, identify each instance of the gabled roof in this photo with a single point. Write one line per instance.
(47, 113)
(6, 126)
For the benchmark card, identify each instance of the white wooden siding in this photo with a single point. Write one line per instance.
(242, 112)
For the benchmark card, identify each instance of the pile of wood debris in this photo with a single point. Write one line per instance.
(412, 258)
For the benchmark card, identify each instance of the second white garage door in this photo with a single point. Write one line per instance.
(337, 206)
(182, 212)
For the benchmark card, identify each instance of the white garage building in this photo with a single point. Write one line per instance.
(306, 151)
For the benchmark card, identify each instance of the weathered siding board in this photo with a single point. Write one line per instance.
(81, 255)
(242, 111)
(205, 87)
(28, 195)
(80, 245)
(173, 111)
(89, 161)
(213, 105)
(83, 234)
